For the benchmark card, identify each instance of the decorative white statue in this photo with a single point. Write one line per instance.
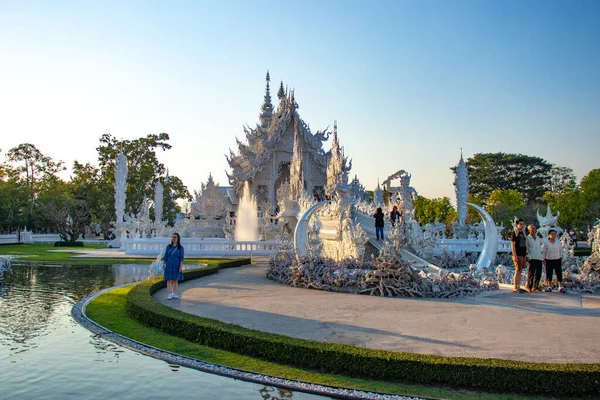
(548, 222)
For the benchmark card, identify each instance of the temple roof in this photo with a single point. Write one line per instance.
(252, 155)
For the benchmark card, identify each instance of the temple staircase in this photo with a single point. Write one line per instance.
(374, 246)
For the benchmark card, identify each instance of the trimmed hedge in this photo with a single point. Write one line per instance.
(68, 244)
(483, 374)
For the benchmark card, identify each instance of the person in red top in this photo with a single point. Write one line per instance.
(395, 215)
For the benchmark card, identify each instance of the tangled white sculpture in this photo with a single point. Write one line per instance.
(490, 248)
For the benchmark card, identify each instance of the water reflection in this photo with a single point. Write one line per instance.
(44, 353)
(269, 392)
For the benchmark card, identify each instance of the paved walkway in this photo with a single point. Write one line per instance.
(549, 327)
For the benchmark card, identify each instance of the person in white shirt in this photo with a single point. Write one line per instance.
(535, 257)
(553, 260)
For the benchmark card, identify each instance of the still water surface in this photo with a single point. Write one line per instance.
(45, 354)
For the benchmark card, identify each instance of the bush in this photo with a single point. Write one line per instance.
(68, 244)
(482, 374)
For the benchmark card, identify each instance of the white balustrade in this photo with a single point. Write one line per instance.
(203, 247)
(459, 246)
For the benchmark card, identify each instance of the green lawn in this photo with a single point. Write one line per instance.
(36, 252)
(109, 311)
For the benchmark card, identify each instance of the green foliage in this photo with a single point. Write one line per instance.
(562, 179)
(25, 178)
(504, 205)
(472, 215)
(489, 172)
(144, 169)
(31, 166)
(69, 243)
(14, 205)
(431, 210)
(579, 208)
(108, 310)
(483, 374)
(89, 185)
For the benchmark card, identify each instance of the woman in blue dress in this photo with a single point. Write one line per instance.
(173, 258)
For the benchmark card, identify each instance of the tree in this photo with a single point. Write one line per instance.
(144, 169)
(88, 184)
(562, 179)
(28, 168)
(504, 205)
(14, 205)
(589, 188)
(69, 217)
(432, 210)
(499, 171)
(32, 167)
(472, 214)
(174, 190)
(579, 208)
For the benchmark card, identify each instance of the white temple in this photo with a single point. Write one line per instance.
(265, 159)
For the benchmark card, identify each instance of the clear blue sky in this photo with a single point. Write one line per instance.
(409, 83)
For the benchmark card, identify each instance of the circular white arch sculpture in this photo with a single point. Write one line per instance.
(301, 231)
(490, 246)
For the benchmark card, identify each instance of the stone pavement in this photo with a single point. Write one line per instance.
(548, 327)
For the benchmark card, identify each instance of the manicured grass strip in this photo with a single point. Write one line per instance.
(39, 252)
(481, 374)
(109, 310)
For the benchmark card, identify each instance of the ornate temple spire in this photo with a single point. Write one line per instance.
(335, 166)
(293, 104)
(296, 167)
(266, 111)
(121, 170)
(158, 201)
(378, 195)
(281, 92)
(461, 186)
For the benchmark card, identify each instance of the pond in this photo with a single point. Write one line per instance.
(44, 353)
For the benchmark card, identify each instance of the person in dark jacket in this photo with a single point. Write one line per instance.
(379, 223)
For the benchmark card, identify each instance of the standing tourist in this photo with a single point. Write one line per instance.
(379, 223)
(553, 261)
(519, 252)
(535, 257)
(173, 258)
(394, 215)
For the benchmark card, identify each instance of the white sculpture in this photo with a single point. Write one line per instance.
(209, 203)
(490, 248)
(158, 201)
(461, 187)
(340, 237)
(403, 195)
(548, 222)
(378, 196)
(120, 197)
(592, 263)
(296, 167)
(5, 267)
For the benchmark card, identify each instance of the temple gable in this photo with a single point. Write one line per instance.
(264, 158)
